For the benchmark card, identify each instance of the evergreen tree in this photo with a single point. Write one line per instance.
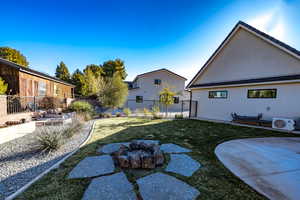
(77, 79)
(3, 86)
(62, 72)
(13, 55)
(112, 66)
(96, 69)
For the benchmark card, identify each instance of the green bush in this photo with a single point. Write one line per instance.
(127, 111)
(155, 110)
(81, 106)
(49, 139)
(178, 116)
(157, 116)
(108, 115)
(146, 112)
(118, 114)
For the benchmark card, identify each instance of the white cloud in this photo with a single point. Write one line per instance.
(272, 23)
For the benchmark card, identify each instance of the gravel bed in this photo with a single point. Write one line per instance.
(20, 161)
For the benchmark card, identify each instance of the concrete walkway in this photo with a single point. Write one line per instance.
(13, 132)
(271, 166)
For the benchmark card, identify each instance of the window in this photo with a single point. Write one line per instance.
(176, 100)
(157, 81)
(262, 93)
(218, 94)
(139, 99)
(42, 89)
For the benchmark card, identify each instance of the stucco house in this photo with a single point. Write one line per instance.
(145, 88)
(249, 73)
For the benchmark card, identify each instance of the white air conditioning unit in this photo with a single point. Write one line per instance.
(283, 123)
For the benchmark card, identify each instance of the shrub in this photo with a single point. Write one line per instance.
(118, 114)
(157, 116)
(72, 129)
(127, 111)
(146, 112)
(49, 139)
(51, 103)
(155, 109)
(81, 106)
(108, 115)
(178, 116)
(83, 116)
(101, 115)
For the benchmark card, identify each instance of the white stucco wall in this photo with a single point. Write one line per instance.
(150, 91)
(287, 103)
(246, 56)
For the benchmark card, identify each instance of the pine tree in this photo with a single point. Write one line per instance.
(77, 79)
(62, 72)
(112, 66)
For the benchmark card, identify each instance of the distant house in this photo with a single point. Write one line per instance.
(28, 82)
(145, 88)
(250, 73)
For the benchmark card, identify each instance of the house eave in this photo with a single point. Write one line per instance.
(249, 82)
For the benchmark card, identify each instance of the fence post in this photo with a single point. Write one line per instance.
(34, 105)
(190, 108)
(182, 107)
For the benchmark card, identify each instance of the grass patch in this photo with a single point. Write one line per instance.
(213, 180)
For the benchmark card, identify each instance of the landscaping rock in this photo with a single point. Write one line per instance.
(160, 186)
(182, 164)
(123, 161)
(173, 148)
(93, 166)
(113, 187)
(110, 148)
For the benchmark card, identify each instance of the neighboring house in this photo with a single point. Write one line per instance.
(28, 82)
(145, 88)
(250, 73)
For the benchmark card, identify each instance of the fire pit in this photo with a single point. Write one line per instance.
(139, 155)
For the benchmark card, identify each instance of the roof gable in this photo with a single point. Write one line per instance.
(256, 36)
(157, 71)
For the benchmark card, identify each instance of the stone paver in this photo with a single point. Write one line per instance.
(110, 148)
(113, 187)
(93, 166)
(182, 164)
(160, 186)
(173, 148)
(149, 141)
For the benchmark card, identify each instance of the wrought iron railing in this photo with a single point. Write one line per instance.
(17, 104)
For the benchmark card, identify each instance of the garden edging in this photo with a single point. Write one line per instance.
(56, 165)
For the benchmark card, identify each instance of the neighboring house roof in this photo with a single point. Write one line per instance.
(33, 72)
(292, 51)
(163, 69)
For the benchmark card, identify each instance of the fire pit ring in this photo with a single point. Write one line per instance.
(139, 155)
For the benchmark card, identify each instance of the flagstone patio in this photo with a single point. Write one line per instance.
(108, 185)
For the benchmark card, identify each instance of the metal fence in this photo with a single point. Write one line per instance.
(17, 104)
(186, 107)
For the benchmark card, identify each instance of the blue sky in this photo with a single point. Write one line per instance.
(147, 34)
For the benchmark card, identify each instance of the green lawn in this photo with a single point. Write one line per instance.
(213, 180)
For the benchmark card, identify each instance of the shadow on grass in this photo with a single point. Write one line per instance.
(213, 180)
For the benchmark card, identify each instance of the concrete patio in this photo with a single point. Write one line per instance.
(271, 166)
